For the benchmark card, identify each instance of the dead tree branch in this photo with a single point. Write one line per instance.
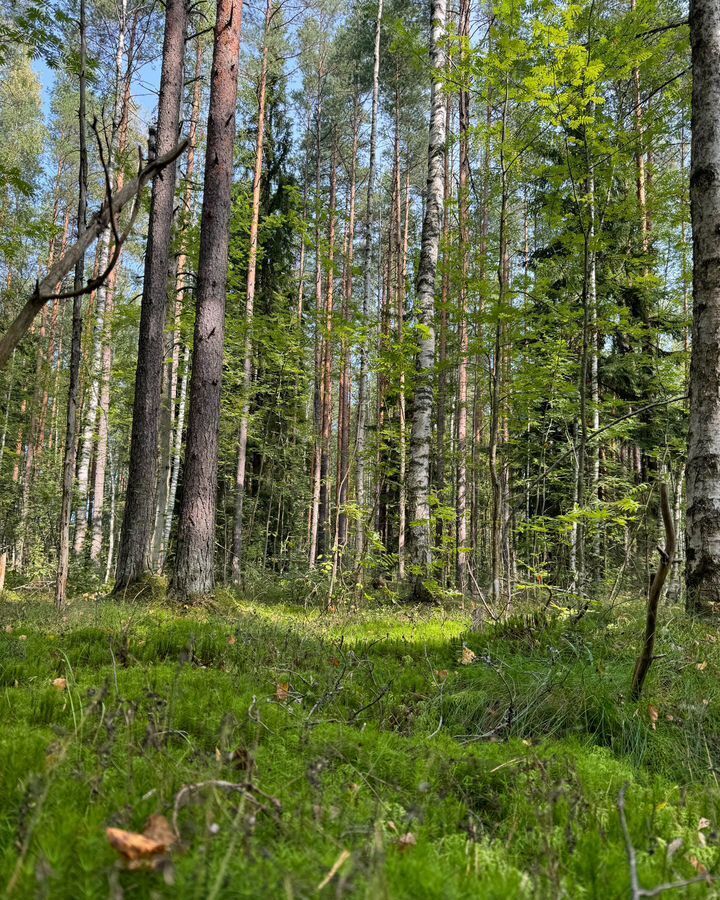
(645, 659)
(111, 207)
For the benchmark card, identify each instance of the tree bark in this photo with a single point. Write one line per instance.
(194, 573)
(360, 437)
(462, 389)
(419, 541)
(71, 424)
(237, 546)
(134, 554)
(702, 548)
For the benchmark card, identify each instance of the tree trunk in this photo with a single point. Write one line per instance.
(702, 547)
(360, 437)
(194, 573)
(419, 542)
(71, 424)
(172, 423)
(462, 389)
(237, 545)
(134, 555)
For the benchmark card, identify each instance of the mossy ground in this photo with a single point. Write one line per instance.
(366, 726)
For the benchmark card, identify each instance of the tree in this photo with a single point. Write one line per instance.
(194, 573)
(703, 463)
(419, 542)
(134, 557)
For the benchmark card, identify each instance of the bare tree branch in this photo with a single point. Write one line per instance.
(44, 290)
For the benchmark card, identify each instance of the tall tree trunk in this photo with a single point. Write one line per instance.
(195, 560)
(360, 436)
(92, 390)
(344, 388)
(462, 389)
(76, 346)
(419, 543)
(173, 422)
(134, 555)
(703, 465)
(327, 367)
(317, 384)
(122, 118)
(237, 545)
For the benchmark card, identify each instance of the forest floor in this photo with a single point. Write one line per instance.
(379, 752)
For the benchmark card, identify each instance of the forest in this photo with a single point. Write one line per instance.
(359, 449)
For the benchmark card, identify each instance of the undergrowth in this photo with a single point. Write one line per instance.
(446, 762)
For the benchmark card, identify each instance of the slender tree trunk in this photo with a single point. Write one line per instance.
(419, 543)
(173, 422)
(71, 425)
(344, 399)
(88, 435)
(703, 465)
(360, 436)
(237, 546)
(195, 560)
(462, 395)
(327, 367)
(134, 555)
(317, 385)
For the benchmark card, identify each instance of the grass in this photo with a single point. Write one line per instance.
(367, 727)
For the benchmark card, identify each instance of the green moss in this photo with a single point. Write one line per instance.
(366, 727)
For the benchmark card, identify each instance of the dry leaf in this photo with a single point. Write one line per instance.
(133, 846)
(282, 691)
(159, 829)
(468, 657)
(702, 666)
(144, 850)
(60, 684)
(673, 847)
(334, 661)
(442, 674)
(8, 629)
(232, 640)
(697, 865)
(406, 841)
(653, 713)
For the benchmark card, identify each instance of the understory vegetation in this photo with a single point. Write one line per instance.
(377, 749)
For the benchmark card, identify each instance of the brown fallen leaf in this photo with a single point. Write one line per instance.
(406, 841)
(442, 674)
(468, 657)
(133, 846)
(701, 666)
(654, 715)
(335, 662)
(232, 640)
(697, 865)
(282, 691)
(159, 829)
(8, 629)
(144, 850)
(60, 684)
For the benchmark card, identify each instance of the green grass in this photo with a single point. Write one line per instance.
(365, 726)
